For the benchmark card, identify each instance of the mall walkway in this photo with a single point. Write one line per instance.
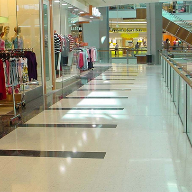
(117, 132)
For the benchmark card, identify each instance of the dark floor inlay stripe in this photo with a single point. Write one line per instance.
(71, 125)
(111, 109)
(56, 154)
(95, 97)
(118, 75)
(103, 90)
(110, 83)
(114, 79)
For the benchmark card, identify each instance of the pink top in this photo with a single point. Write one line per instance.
(2, 45)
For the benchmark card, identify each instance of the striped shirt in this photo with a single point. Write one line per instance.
(57, 43)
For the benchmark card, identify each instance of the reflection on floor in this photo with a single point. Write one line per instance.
(101, 135)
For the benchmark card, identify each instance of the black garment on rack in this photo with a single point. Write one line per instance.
(64, 60)
(32, 64)
(56, 60)
(90, 63)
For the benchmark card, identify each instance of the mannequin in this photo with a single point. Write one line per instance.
(8, 43)
(2, 42)
(57, 46)
(17, 39)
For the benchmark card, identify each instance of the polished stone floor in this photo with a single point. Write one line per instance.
(115, 130)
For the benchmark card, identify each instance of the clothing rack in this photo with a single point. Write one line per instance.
(7, 54)
(85, 57)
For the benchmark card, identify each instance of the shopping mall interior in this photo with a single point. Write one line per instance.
(95, 96)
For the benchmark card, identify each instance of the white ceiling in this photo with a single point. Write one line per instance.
(104, 3)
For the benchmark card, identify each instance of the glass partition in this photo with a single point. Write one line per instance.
(66, 32)
(20, 24)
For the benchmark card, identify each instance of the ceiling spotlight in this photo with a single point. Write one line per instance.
(57, 1)
(82, 12)
(91, 17)
(64, 4)
(70, 7)
(76, 9)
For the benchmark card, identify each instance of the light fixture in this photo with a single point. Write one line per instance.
(82, 12)
(57, 1)
(70, 7)
(91, 17)
(76, 9)
(64, 4)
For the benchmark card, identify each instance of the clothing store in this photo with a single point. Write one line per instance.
(38, 48)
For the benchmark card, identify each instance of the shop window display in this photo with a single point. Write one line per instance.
(20, 40)
(64, 42)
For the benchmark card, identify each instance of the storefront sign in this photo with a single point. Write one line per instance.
(129, 36)
(96, 12)
(128, 30)
(76, 28)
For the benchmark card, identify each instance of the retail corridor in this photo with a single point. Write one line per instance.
(115, 130)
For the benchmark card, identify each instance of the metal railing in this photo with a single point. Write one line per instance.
(178, 80)
(122, 53)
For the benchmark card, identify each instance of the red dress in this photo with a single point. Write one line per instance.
(2, 82)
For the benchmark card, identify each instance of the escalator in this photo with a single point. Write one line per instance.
(177, 27)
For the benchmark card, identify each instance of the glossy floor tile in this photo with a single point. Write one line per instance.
(108, 133)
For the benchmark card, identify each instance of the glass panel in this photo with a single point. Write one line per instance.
(182, 97)
(8, 21)
(46, 36)
(176, 88)
(172, 82)
(189, 113)
(29, 29)
(169, 77)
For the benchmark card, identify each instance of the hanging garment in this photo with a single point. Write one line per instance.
(2, 45)
(90, 63)
(72, 42)
(32, 65)
(20, 70)
(56, 60)
(70, 59)
(8, 44)
(2, 82)
(7, 72)
(81, 61)
(14, 77)
(18, 43)
(57, 43)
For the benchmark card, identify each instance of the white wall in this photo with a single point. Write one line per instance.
(91, 34)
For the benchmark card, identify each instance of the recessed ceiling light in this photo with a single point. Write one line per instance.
(57, 1)
(91, 17)
(81, 12)
(70, 7)
(64, 4)
(76, 9)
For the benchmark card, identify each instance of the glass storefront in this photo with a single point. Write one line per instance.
(65, 21)
(21, 41)
(20, 25)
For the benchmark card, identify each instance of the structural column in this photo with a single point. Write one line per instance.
(154, 30)
(96, 34)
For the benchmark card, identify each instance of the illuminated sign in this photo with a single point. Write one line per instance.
(96, 12)
(128, 30)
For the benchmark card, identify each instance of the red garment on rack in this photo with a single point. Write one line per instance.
(81, 61)
(2, 82)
